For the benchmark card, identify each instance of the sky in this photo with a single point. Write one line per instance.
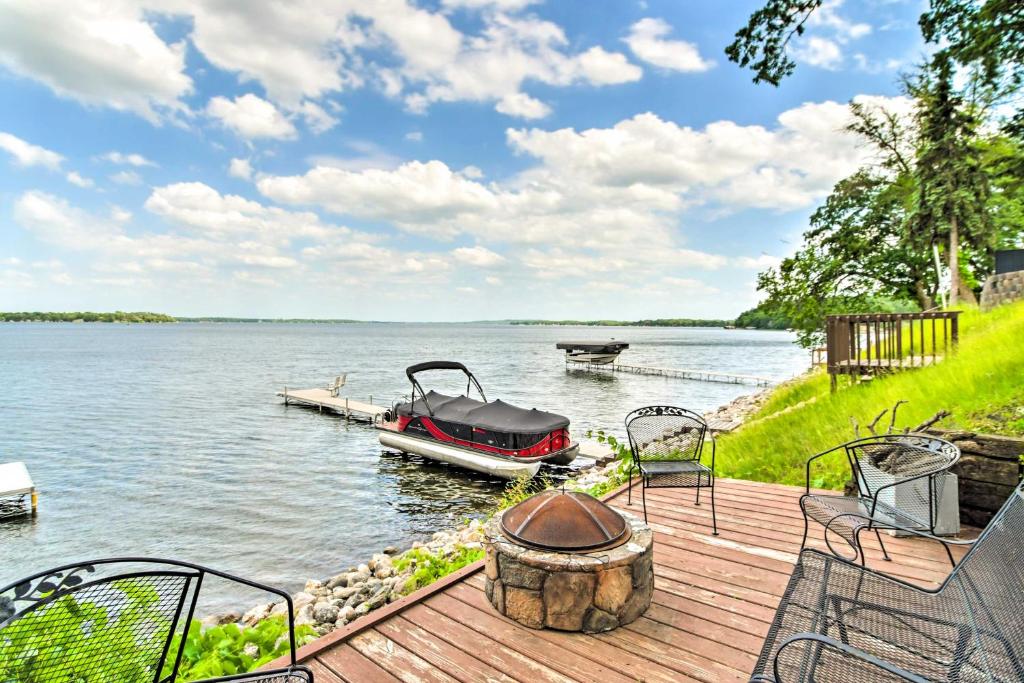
(422, 160)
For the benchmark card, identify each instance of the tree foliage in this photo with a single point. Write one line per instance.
(987, 35)
(762, 44)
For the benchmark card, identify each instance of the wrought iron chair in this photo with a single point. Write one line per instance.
(839, 621)
(119, 620)
(898, 485)
(667, 444)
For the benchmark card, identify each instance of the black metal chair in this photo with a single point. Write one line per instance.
(667, 444)
(898, 485)
(119, 620)
(839, 621)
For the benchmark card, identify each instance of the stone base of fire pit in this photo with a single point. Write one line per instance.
(592, 592)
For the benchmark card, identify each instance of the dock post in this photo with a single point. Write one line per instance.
(286, 395)
(347, 413)
(35, 501)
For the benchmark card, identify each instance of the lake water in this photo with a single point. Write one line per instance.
(168, 441)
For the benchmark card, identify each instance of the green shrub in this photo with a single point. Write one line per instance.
(79, 641)
(428, 567)
(50, 644)
(233, 649)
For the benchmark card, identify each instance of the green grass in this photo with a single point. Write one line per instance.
(982, 385)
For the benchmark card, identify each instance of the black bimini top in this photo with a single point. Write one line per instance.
(611, 346)
(496, 416)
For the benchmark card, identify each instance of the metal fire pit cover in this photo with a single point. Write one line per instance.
(565, 521)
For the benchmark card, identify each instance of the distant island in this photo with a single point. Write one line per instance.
(86, 317)
(755, 318)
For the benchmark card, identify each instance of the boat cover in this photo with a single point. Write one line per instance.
(593, 346)
(496, 416)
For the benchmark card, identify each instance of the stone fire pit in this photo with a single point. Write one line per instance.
(590, 591)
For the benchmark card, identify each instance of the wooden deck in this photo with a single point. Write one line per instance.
(714, 598)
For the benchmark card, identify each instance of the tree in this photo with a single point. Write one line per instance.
(952, 186)
(762, 43)
(987, 35)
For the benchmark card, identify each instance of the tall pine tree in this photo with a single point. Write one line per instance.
(952, 185)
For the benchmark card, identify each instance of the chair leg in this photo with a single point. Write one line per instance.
(698, 491)
(629, 489)
(884, 553)
(643, 495)
(803, 541)
(714, 519)
(949, 554)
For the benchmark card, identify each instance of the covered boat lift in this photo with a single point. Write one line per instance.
(15, 486)
(592, 352)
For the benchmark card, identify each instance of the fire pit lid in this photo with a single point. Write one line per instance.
(566, 521)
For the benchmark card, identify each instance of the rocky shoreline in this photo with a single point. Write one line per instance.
(329, 604)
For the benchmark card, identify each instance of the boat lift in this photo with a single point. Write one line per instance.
(18, 494)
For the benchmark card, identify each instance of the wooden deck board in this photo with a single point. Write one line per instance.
(714, 599)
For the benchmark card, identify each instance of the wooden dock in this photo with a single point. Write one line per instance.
(324, 399)
(714, 598)
(697, 375)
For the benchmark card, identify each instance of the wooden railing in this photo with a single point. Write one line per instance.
(874, 343)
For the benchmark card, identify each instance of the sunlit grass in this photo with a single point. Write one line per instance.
(982, 385)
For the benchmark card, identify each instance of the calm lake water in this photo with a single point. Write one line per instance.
(168, 441)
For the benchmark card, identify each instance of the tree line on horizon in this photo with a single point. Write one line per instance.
(755, 317)
(945, 189)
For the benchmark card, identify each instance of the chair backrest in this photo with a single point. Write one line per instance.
(665, 433)
(105, 621)
(887, 459)
(989, 581)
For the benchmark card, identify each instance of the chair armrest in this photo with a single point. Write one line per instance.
(867, 519)
(869, 661)
(268, 589)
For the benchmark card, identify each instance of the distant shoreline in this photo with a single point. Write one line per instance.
(145, 317)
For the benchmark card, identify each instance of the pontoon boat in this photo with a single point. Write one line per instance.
(492, 437)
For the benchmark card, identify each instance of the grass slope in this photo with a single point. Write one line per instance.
(982, 385)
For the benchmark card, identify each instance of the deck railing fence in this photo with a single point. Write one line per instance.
(874, 343)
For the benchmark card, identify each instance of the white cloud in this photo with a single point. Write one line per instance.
(493, 281)
(251, 117)
(647, 41)
(99, 53)
(240, 168)
(126, 178)
(600, 67)
(620, 196)
(686, 285)
(200, 208)
(506, 5)
(820, 52)
(413, 192)
(478, 256)
(27, 154)
(123, 159)
(414, 136)
(75, 178)
(522, 105)
(761, 262)
(827, 16)
(119, 214)
(317, 120)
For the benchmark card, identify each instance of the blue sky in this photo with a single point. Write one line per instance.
(394, 160)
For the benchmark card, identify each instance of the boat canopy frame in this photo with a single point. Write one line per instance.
(413, 370)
